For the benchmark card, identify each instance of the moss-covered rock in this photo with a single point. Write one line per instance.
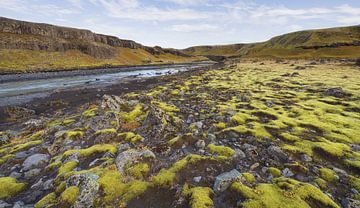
(9, 187)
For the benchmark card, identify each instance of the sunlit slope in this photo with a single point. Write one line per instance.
(342, 42)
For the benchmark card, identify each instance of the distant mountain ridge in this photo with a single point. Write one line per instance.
(341, 42)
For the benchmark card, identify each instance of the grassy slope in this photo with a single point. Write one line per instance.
(32, 61)
(289, 45)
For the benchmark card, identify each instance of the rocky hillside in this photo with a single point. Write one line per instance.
(341, 42)
(26, 40)
(250, 134)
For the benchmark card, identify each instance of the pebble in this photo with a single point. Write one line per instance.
(254, 166)
(197, 179)
(287, 172)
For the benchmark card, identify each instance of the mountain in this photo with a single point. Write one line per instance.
(341, 42)
(26, 46)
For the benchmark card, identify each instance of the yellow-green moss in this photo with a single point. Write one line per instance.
(25, 146)
(166, 107)
(106, 131)
(327, 174)
(139, 170)
(98, 148)
(130, 136)
(200, 197)
(249, 177)
(220, 125)
(70, 195)
(283, 193)
(66, 122)
(53, 165)
(73, 135)
(321, 183)
(9, 187)
(221, 150)
(37, 135)
(166, 177)
(274, 172)
(133, 115)
(67, 167)
(112, 184)
(240, 118)
(354, 182)
(6, 158)
(47, 200)
(91, 112)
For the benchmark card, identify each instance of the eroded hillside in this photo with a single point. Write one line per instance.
(249, 135)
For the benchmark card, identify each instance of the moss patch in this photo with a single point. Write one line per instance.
(9, 187)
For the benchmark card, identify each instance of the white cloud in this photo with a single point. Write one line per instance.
(188, 2)
(194, 28)
(133, 10)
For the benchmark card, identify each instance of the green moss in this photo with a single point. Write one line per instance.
(9, 187)
(53, 165)
(332, 148)
(106, 131)
(139, 170)
(221, 150)
(220, 125)
(354, 182)
(134, 115)
(73, 135)
(353, 163)
(249, 177)
(274, 172)
(46, 201)
(61, 187)
(91, 112)
(6, 158)
(283, 193)
(37, 135)
(112, 184)
(130, 136)
(25, 146)
(66, 122)
(289, 137)
(67, 167)
(70, 195)
(166, 107)
(98, 148)
(321, 183)
(328, 175)
(166, 177)
(240, 118)
(200, 197)
(174, 141)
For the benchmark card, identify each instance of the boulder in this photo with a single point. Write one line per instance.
(34, 161)
(224, 180)
(88, 186)
(277, 153)
(130, 156)
(337, 92)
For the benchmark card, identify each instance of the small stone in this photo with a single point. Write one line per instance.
(49, 184)
(224, 180)
(254, 166)
(354, 191)
(15, 175)
(4, 204)
(239, 154)
(287, 172)
(200, 144)
(277, 152)
(305, 157)
(197, 179)
(21, 155)
(32, 173)
(89, 187)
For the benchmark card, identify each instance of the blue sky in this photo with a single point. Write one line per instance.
(183, 23)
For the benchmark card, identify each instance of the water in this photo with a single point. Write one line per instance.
(42, 85)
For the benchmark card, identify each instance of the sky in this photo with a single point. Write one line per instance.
(183, 23)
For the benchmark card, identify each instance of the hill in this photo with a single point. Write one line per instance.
(342, 42)
(26, 46)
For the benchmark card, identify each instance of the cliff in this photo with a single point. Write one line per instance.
(17, 34)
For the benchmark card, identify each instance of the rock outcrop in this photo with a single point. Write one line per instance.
(17, 34)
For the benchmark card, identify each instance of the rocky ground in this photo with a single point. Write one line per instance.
(251, 134)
